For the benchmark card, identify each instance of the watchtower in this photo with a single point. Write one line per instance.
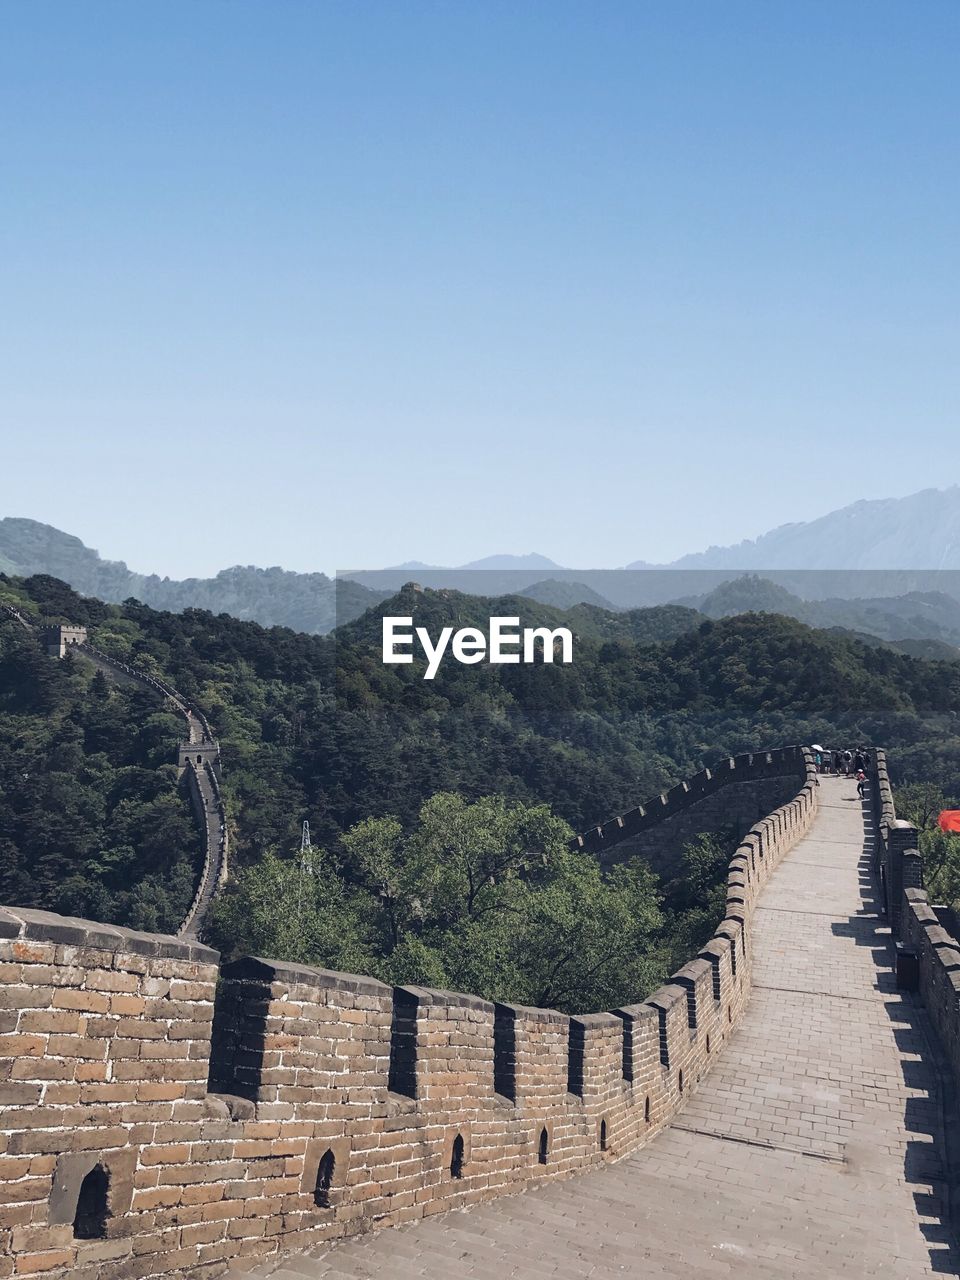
(199, 753)
(57, 640)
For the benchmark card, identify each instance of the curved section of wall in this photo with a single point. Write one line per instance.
(735, 793)
(17, 616)
(201, 763)
(212, 816)
(263, 1105)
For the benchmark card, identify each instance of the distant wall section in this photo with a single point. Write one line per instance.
(735, 794)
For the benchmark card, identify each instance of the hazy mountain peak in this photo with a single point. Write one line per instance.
(273, 596)
(921, 531)
(564, 595)
(532, 560)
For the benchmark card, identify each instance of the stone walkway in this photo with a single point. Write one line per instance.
(813, 1149)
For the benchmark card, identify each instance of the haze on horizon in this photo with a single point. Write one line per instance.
(322, 286)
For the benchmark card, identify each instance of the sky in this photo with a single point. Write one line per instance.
(339, 284)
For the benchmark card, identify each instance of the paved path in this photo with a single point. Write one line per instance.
(813, 1149)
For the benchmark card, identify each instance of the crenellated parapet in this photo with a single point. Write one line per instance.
(897, 858)
(735, 793)
(163, 1114)
(928, 953)
(58, 640)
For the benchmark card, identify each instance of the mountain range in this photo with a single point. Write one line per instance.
(310, 602)
(921, 531)
(871, 552)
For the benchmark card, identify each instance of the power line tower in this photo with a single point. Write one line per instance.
(306, 849)
(306, 864)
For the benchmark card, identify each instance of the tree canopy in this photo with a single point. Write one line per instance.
(317, 727)
(482, 896)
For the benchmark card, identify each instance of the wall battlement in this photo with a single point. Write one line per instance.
(57, 640)
(784, 761)
(162, 1115)
(913, 921)
(733, 794)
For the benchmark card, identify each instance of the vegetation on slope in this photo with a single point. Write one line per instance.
(317, 727)
(92, 820)
(483, 897)
(309, 602)
(922, 803)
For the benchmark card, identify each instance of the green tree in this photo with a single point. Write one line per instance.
(481, 896)
(920, 803)
(281, 911)
(941, 865)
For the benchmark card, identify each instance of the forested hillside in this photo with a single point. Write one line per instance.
(316, 727)
(92, 820)
(306, 601)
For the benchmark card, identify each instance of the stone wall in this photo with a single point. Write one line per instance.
(198, 753)
(57, 640)
(914, 923)
(734, 794)
(898, 860)
(211, 814)
(200, 749)
(734, 808)
(157, 1122)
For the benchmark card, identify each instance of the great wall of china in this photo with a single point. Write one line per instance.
(158, 1122)
(163, 1115)
(198, 755)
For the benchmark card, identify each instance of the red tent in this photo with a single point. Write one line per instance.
(950, 820)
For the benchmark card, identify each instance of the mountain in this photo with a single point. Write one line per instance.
(309, 602)
(564, 595)
(929, 650)
(320, 729)
(928, 619)
(921, 531)
(530, 561)
(870, 552)
(750, 594)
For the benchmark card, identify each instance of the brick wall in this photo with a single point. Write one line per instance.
(162, 1115)
(914, 923)
(735, 793)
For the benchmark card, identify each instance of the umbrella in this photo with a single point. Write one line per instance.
(816, 747)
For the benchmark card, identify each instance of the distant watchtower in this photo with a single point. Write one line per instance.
(57, 640)
(199, 753)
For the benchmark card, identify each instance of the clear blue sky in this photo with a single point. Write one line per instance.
(329, 284)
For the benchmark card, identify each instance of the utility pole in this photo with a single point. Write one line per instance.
(306, 850)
